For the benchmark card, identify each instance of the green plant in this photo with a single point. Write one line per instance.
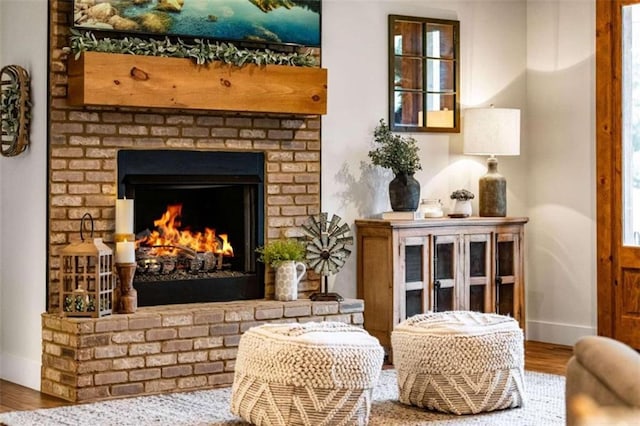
(462, 195)
(400, 154)
(278, 251)
(202, 51)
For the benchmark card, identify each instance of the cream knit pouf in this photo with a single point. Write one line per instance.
(317, 373)
(459, 362)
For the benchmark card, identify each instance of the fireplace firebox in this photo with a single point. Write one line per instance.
(198, 219)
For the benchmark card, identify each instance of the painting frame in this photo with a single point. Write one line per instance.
(274, 23)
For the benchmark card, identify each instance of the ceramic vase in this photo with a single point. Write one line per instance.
(462, 208)
(404, 193)
(288, 275)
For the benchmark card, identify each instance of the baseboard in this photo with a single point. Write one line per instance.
(22, 371)
(558, 333)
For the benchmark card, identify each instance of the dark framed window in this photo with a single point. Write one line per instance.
(424, 74)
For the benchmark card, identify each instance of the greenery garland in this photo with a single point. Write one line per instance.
(202, 51)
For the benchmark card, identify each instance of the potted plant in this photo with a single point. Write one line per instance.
(462, 206)
(286, 256)
(400, 154)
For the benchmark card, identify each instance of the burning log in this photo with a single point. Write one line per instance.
(169, 249)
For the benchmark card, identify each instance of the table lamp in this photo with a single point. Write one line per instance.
(492, 131)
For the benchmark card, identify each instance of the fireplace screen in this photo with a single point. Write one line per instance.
(198, 219)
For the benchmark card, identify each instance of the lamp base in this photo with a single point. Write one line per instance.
(492, 191)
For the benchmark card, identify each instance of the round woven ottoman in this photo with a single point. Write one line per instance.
(459, 362)
(305, 374)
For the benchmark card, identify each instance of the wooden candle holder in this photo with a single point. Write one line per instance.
(127, 296)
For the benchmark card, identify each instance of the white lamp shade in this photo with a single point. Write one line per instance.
(491, 131)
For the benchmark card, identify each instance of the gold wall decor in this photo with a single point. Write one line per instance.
(15, 110)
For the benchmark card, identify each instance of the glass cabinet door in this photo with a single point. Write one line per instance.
(506, 280)
(423, 74)
(445, 272)
(478, 290)
(415, 251)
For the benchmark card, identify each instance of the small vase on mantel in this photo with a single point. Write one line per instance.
(404, 193)
(288, 275)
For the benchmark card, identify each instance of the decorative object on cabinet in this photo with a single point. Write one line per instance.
(400, 154)
(424, 74)
(286, 257)
(327, 251)
(430, 208)
(416, 215)
(288, 23)
(86, 277)
(492, 131)
(462, 206)
(15, 110)
(412, 267)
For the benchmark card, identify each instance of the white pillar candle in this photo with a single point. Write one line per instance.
(125, 252)
(124, 216)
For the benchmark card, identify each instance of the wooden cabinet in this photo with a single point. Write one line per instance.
(411, 267)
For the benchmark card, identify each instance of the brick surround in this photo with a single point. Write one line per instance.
(83, 144)
(163, 349)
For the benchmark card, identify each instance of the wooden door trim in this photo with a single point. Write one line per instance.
(605, 154)
(611, 254)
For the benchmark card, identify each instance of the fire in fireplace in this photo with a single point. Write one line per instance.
(169, 249)
(198, 219)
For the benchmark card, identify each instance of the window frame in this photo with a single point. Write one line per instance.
(424, 90)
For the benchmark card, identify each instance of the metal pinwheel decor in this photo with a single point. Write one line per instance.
(327, 251)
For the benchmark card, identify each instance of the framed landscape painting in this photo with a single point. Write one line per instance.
(295, 22)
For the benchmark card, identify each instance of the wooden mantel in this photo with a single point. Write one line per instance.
(150, 81)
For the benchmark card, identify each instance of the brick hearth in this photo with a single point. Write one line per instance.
(163, 349)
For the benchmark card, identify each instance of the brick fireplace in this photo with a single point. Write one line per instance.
(171, 347)
(84, 143)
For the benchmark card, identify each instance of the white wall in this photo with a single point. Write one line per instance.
(562, 183)
(354, 50)
(536, 55)
(552, 181)
(23, 30)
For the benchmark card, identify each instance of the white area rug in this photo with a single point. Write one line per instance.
(544, 405)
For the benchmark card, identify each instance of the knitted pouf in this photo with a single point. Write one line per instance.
(305, 374)
(459, 362)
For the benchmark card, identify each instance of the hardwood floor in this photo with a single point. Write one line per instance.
(546, 357)
(541, 357)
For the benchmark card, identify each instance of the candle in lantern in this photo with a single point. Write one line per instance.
(125, 252)
(124, 216)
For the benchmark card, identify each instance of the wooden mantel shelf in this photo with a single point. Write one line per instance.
(151, 81)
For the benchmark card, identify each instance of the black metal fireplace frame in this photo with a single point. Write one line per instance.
(166, 168)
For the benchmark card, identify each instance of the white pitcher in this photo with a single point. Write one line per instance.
(288, 275)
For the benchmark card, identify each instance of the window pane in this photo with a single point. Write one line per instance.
(440, 41)
(408, 73)
(407, 38)
(440, 76)
(440, 110)
(407, 108)
(631, 123)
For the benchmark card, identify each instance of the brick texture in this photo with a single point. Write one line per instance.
(84, 143)
(90, 359)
